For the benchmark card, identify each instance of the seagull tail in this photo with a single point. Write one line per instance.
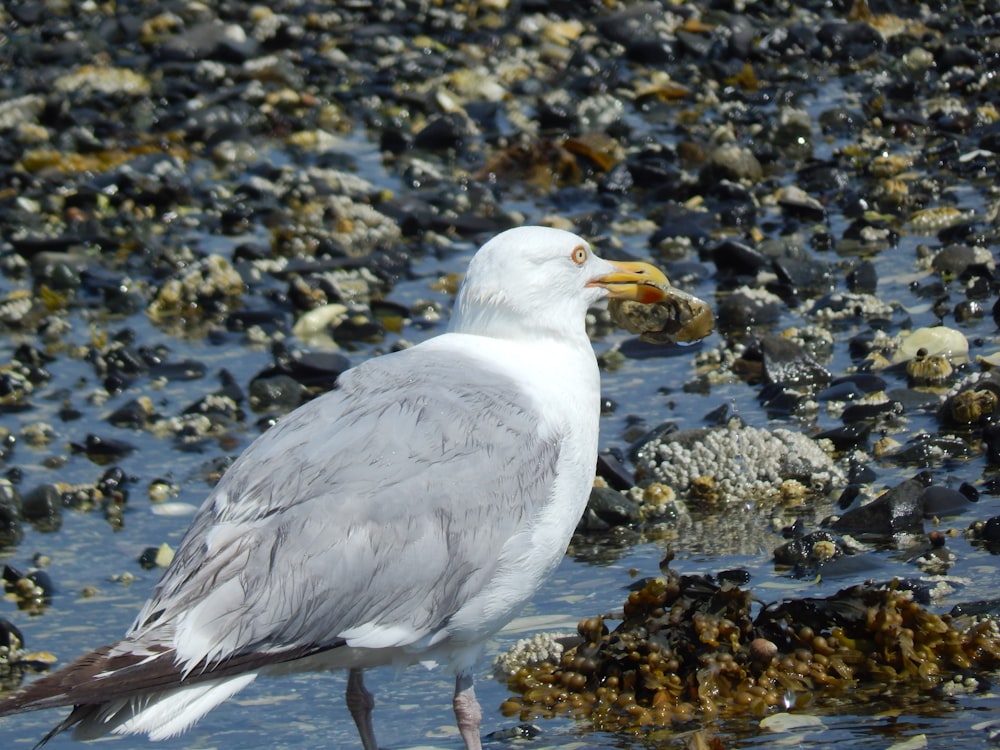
(159, 715)
(128, 688)
(113, 689)
(71, 684)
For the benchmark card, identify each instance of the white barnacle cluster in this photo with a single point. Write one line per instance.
(847, 305)
(530, 652)
(759, 295)
(744, 463)
(969, 381)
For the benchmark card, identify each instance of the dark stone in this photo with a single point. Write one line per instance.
(850, 41)
(10, 635)
(212, 40)
(802, 208)
(635, 22)
(317, 370)
(442, 133)
(897, 510)
(112, 482)
(803, 277)
(863, 279)
(734, 258)
(186, 369)
(357, 329)
(957, 55)
(861, 474)
(991, 437)
(953, 259)
(742, 36)
(928, 450)
(867, 382)
(651, 51)
(800, 551)
(788, 364)
(943, 501)
(102, 450)
(845, 391)
(871, 412)
(608, 508)
(846, 437)
(132, 415)
(841, 121)
(991, 530)
(27, 12)
(42, 506)
(851, 493)
(11, 532)
(741, 311)
(612, 470)
(279, 393)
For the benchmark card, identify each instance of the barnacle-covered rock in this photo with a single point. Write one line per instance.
(928, 369)
(15, 307)
(530, 652)
(742, 463)
(932, 220)
(972, 401)
(209, 286)
(103, 80)
(845, 306)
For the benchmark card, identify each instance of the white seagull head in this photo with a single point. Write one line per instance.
(534, 281)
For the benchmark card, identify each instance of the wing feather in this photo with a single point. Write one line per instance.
(362, 515)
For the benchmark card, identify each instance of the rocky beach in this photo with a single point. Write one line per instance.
(210, 210)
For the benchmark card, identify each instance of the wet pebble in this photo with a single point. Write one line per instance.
(899, 509)
(608, 508)
(42, 506)
(11, 513)
(279, 393)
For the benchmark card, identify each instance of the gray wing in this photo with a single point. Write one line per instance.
(381, 506)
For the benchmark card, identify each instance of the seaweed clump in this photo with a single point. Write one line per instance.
(688, 647)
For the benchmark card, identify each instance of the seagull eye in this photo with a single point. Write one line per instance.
(579, 255)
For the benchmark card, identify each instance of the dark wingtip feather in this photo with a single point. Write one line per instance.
(78, 714)
(76, 683)
(85, 684)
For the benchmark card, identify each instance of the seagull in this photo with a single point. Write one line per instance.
(405, 516)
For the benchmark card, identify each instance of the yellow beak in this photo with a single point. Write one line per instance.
(635, 281)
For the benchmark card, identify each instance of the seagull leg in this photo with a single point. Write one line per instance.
(360, 703)
(468, 714)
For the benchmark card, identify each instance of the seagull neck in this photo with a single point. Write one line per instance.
(560, 373)
(494, 324)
